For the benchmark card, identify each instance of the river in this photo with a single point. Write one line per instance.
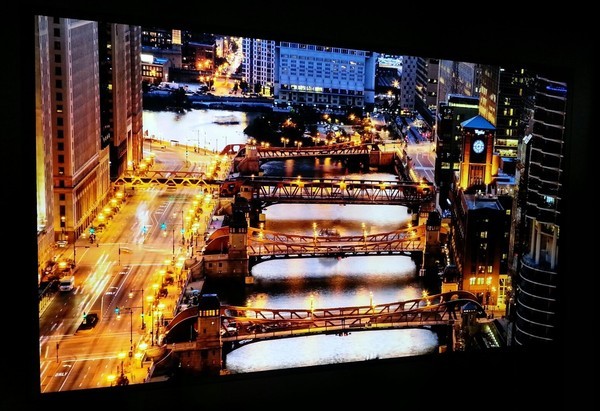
(323, 282)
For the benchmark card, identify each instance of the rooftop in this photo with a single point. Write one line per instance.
(478, 122)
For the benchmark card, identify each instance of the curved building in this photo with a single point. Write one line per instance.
(537, 298)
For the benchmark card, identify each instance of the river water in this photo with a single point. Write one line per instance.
(322, 282)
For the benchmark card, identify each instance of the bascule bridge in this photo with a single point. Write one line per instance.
(235, 248)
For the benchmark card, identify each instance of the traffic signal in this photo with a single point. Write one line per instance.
(163, 226)
(144, 229)
(84, 317)
(117, 311)
(92, 230)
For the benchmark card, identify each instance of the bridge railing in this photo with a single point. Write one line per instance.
(428, 309)
(265, 242)
(332, 190)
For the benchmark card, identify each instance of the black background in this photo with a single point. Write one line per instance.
(556, 42)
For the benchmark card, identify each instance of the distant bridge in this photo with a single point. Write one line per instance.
(345, 149)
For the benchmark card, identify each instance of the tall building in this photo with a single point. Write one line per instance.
(506, 101)
(328, 78)
(431, 88)
(159, 44)
(408, 82)
(159, 38)
(80, 165)
(121, 95)
(481, 222)
(488, 92)
(43, 142)
(88, 121)
(458, 77)
(540, 190)
(449, 142)
(198, 59)
(258, 65)
(426, 102)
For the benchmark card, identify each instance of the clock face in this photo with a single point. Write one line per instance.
(478, 146)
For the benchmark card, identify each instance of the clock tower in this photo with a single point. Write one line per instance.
(477, 153)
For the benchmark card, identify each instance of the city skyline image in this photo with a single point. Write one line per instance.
(218, 206)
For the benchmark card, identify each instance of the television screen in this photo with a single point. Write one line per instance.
(220, 208)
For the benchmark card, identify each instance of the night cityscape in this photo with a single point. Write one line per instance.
(213, 207)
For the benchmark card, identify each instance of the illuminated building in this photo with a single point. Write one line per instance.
(481, 223)
(449, 144)
(329, 78)
(258, 64)
(505, 100)
(120, 77)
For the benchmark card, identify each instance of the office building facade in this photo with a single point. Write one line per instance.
(43, 143)
(408, 82)
(121, 109)
(80, 165)
(506, 101)
(258, 65)
(327, 78)
(459, 78)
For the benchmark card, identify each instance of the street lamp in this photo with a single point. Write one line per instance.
(150, 299)
(182, 229)
(131, 296)
(121, 356)
(159, 309)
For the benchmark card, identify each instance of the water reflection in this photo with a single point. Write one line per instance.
(330, 349)
(347, 219)
(198, 127)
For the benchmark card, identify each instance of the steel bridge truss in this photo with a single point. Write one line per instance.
(329, 151)
(275, 323)
(164, 177)
(341, 191)
(270, 243)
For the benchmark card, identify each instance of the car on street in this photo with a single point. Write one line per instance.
(88, 323)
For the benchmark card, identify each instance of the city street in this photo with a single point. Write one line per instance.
(133, 267)
(423, 157)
